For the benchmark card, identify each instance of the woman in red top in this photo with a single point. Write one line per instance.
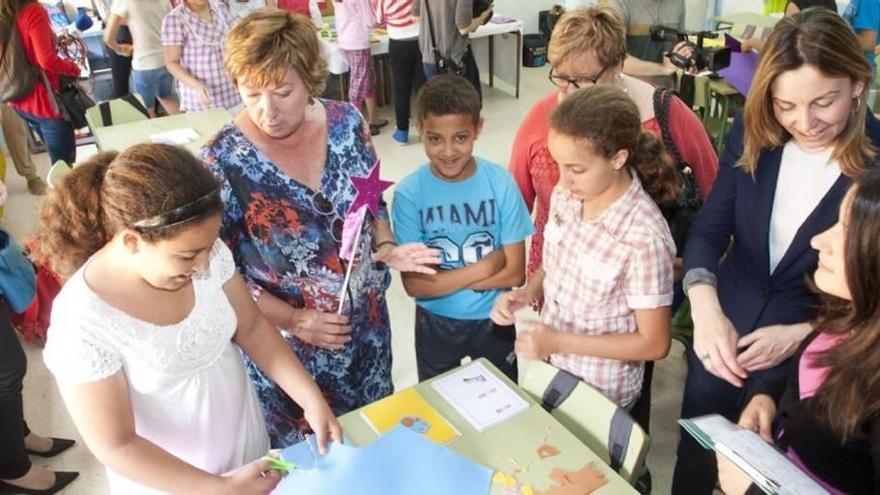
(588, 46)
(38, 108)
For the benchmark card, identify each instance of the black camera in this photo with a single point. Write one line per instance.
(713, 59)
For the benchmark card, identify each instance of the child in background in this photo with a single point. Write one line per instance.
(152, 81)
(607, 273)
(193, 35)
(354, 20)
(159, 391)
(471, 210)
(406, 59)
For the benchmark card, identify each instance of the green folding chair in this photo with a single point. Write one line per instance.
(599, 423)
(123, 110)
(58, 170)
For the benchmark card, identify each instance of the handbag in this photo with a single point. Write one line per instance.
(445, 65)
(17, 76)
(680, 215)
(72, 101)
(17, 281)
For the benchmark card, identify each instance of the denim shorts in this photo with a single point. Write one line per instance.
(152, 83)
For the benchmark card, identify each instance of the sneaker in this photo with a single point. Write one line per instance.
(401, 137)
(37, 186)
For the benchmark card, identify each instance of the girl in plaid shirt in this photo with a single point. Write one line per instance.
(606, 277)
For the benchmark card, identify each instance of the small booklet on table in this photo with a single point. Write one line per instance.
(480, 396)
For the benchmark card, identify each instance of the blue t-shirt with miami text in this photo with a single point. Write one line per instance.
(466, 220)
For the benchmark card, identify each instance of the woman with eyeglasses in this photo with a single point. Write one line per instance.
(286, 164)
(147, 334)
(588, 46)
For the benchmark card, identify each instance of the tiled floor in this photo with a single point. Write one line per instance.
(45, 411)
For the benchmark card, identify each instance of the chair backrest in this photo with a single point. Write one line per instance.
(599, 423)
(57, 171)
(118, 111)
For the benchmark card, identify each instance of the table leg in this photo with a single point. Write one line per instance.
(518, 59)
(492, 61)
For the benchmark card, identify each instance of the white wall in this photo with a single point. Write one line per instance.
(524, 10)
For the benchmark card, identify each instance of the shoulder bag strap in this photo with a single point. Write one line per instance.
(662, 99)
(431, 29)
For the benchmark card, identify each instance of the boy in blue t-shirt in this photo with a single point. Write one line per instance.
(864, 17)
(471, 210)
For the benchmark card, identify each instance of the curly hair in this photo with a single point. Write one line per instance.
(608, 121)
(113, 191)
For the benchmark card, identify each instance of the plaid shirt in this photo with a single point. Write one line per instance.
(202, 54)
(597, 272)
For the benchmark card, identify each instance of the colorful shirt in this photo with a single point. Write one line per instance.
(201, 45)
(466, 220)
(598, 271)
(397, 17)
(536, 173)
(286, 243)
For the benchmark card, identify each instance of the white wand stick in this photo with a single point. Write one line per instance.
(357, 241)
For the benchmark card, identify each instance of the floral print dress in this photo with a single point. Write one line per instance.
(285, 237)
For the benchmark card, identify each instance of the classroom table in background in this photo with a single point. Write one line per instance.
(508, 445)
(121, 136)
(497, 47)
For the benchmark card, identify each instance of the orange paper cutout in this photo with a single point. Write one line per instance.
(586, 480)
(545, 451)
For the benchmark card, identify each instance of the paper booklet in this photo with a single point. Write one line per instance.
(480, 396)
(767, 467)
(409, 409)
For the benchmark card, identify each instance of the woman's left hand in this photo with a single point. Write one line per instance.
(769, 346)
(413, 257)
(732, 479)
(324, 423)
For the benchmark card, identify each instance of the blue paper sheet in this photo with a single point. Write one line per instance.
(401, 462)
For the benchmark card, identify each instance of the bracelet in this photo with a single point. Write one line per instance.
(378, 246)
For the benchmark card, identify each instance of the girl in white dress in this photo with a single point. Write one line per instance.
(146, 334)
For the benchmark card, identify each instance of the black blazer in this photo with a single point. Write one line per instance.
(740, 206)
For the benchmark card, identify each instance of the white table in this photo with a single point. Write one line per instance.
(491, 43)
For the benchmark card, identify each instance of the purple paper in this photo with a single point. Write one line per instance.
(733, 43)
(350, 229)
(741, 71)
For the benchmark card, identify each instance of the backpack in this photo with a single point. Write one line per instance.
(680, 215)
(17, 76)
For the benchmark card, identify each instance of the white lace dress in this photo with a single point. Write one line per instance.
(188, 387)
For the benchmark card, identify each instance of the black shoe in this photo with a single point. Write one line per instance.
(62, 479)
(59, 445)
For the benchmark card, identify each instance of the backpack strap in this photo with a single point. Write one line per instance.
(618, 437)
(131, 100)
(106, 117)
(559, 388)
(662, 100)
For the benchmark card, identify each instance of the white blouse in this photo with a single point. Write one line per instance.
(804, 179)
(188, 387)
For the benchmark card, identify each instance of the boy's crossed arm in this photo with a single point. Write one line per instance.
(513, 274)
(446, 282)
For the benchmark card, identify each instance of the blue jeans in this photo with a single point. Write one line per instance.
(56, 133)
(152, 84)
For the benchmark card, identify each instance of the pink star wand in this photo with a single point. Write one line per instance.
(369, 190)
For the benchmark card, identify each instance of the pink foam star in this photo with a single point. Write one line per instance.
(369, 189)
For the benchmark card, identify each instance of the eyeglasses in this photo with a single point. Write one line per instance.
(562, 82)
(324, 207)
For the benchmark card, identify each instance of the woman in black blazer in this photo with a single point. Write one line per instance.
(806, 131)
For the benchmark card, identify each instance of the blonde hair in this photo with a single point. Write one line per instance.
(820, 38)
(263, 46)
(589, 28)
